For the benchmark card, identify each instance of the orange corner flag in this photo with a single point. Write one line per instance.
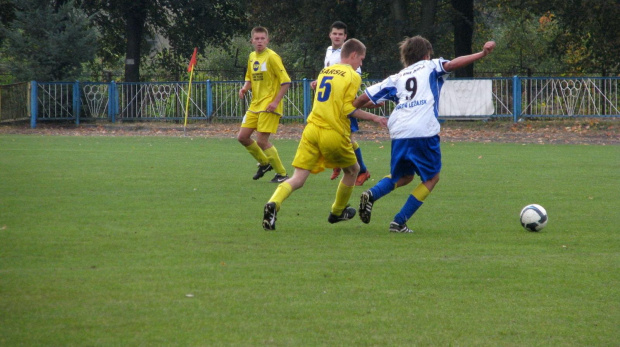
(192, 61)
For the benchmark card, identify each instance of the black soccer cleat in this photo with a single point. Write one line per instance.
(399, 228)
(269, 216)
(279, 178)
(262, 170)
(347, 213)
(366, 206)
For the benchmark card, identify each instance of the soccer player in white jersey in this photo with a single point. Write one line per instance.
(413, 125)
(338, 35)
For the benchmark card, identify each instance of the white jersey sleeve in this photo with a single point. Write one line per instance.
(416, 91)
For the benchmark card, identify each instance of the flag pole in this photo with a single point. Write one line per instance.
(190, 69)
(189, 92)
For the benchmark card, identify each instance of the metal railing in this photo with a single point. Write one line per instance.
(218, 101)
(570, 97)
(14, 102)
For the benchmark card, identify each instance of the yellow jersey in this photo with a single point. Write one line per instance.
(266, 73)
(336, 88)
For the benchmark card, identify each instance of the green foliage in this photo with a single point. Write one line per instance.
(7, 15)
(157, 241)
(47, 44)
(164, 66)
(533, 36)
(184, 24)
(227, 62)
(371, 22)
(523, 43)
(7, 11)
(97, 70)
(216, 62)
(590, 37)
(557, 36)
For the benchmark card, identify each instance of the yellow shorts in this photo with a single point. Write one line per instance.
(264, 122)
(320, 148)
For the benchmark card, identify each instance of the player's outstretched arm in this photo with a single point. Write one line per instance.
(371, 104)
(360, 114)
(465, 60)
(361, 101)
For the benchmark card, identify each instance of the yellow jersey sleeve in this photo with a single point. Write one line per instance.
(248, 73)
(278, 69)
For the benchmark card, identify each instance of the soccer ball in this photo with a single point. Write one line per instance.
(533, 217)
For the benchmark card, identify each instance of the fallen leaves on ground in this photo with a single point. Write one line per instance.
(599, 132)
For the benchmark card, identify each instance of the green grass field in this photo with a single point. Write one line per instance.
(158, 241)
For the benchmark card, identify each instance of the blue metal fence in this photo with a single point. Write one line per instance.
(14, 104)
(512, 98)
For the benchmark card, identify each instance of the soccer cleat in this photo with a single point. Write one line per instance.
(362, 177)
(262, 170)
(335, 173)
(279, 178)
(269, 216)
(347, 213)
(399, 228)
(366, 206)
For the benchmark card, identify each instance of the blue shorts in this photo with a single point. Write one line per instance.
(420, 156)
(354, 126)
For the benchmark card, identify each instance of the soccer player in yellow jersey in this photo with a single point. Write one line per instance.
(338, 35)
(326, 139)
(269, 81)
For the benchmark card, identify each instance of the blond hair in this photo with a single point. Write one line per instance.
(259, 29)
(353, 45)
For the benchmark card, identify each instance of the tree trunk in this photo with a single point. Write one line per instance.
(427, 25)
(399, 25)
(136, 17)
(463, 33)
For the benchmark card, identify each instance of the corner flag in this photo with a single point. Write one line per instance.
(190, 69)
(192, 62)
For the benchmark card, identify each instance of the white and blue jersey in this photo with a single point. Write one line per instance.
(416, 91)
(414, 128)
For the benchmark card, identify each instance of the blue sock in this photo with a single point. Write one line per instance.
(360, 160)
(408, 210)
(382, 188)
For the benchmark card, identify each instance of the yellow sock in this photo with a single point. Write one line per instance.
(274, 159)
(283, 191)
(257, 153)
(343, 194)
(421, 192)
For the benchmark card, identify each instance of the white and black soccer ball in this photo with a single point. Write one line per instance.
(533, 217)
